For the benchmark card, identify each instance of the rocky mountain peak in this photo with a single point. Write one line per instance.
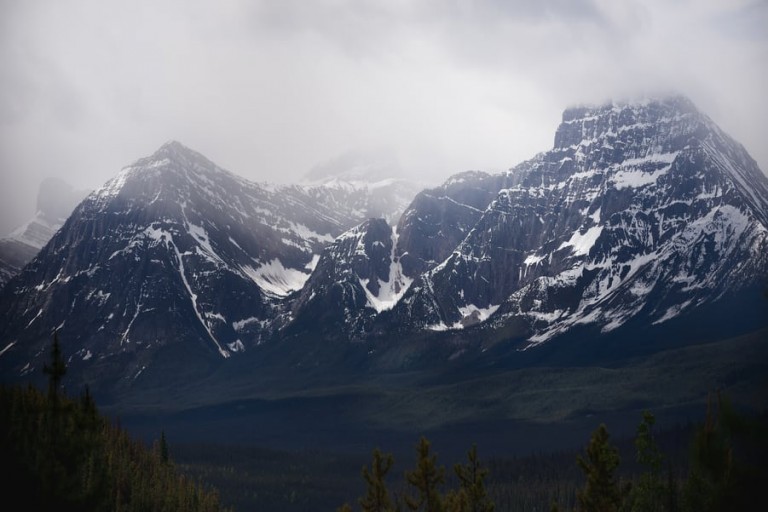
(612, 121)
(642, 209)
(176, 153)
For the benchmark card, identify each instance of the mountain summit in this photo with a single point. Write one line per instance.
(641, 210)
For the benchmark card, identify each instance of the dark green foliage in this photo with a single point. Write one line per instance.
(377, 497)
(164, 457)
(284, 481)
(471, 496)
(60, 454)
(426, 480)
(601, 492)
(259, 479)
(534, 482)
(56, 370)
(728, 461)
(649, 493)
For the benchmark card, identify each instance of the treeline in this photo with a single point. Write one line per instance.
(59, 453)
(727, 470)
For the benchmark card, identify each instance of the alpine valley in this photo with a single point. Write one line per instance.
(625, 268)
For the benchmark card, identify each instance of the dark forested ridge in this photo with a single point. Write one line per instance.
(717, 464)
(726, 469)
(60, 453)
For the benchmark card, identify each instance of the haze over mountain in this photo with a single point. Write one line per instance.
(276, 87)
(643, 215)
(177, 252)
(55, 201)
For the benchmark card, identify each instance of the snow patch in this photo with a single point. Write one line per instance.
(275, 279)
(240, 324)
(236, 346)
(313, 263)
(306, 233)
(392, 290)
(204, 244)
(471, 314)
(113, 187)
(437, 327)
(636, 178)
(673, 312)
(532, 259)
(581, 244)
(633, 173)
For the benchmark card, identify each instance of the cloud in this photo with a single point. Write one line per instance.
(269, 89)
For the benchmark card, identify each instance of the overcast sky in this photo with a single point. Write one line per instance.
(270, 89)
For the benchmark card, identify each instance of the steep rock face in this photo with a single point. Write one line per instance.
(369, 268)
(175, 254)
(439, 219)
(14, 254)
(356, 277)
(640, 209)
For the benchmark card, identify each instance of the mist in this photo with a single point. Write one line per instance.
(275, 90)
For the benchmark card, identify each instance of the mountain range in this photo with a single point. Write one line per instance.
(644, 217)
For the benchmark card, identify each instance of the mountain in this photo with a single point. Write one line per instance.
(174, 260)
(55, 201)
(644, 216)
(439, 219)
(642, 211)
(369, 268)
(357, 276)
(370, 183)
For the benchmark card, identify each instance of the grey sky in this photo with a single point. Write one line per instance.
(270, 89)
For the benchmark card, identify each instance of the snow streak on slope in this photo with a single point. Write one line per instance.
(167, 239)
(393, 289)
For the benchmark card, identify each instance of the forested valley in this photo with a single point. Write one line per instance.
(61, 453)
(717, 464)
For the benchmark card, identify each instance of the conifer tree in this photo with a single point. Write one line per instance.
(426, 479)
(56, 370)
(649, 491)
(472, 485)
(728, 468)
(61, 454)
(457, 501)
(53, 473)
(164, 458)
(601, 492)
(377, 497)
